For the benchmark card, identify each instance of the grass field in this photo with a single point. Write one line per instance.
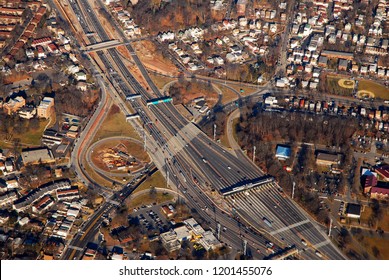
(115, 125)
(29, 137)
(33, 136)
(234, 124)
(224, 141)
(228, 95)
(156, 180)
(246, 90)
(381, 243)
(378, 90)
(383, 223)
(334, 87)
(96, 177)
(159, 80)
(147, 199)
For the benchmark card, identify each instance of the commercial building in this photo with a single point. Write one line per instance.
(46, 107)
(323, 158)
(336, 54)
(171, 240)
(383, 173)
(209, 241)
(353, 210)
(283, 152)
(14, 104)
(35, 156)
(27, 112)
(380, 191)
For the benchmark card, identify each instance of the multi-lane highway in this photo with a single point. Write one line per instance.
(197, 165)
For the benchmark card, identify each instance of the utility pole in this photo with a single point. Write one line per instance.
(214, 131)
(254, 153)
(294, 184)
(245, 247)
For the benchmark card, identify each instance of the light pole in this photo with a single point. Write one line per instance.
(294, 185)
(145, 140)
(329, 231)
(167, 178)
(254, 153)
(214, 132)
(245, 247)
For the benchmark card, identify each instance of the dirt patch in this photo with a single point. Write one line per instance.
(153, 59)
(186, 91)
(365, 94)
(345, 83)
(119, 156)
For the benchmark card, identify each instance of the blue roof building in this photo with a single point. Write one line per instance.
(283, 152)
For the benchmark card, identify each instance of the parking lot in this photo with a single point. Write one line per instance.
(151, 218)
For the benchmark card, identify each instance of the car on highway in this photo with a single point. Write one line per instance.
(304, 242)
(205, 160)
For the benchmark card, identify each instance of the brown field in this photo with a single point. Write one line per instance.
(156, 180)
(15, 77)
(381, 243)
(246, 90)
(160, 81)
(133, 149)
(147, 199)
(153, 59)
(190, 90)
(228, 95)
(383, 223)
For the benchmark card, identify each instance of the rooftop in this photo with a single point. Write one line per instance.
(354, 209)
(283, 151)
(36, 155)
(383, 171)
